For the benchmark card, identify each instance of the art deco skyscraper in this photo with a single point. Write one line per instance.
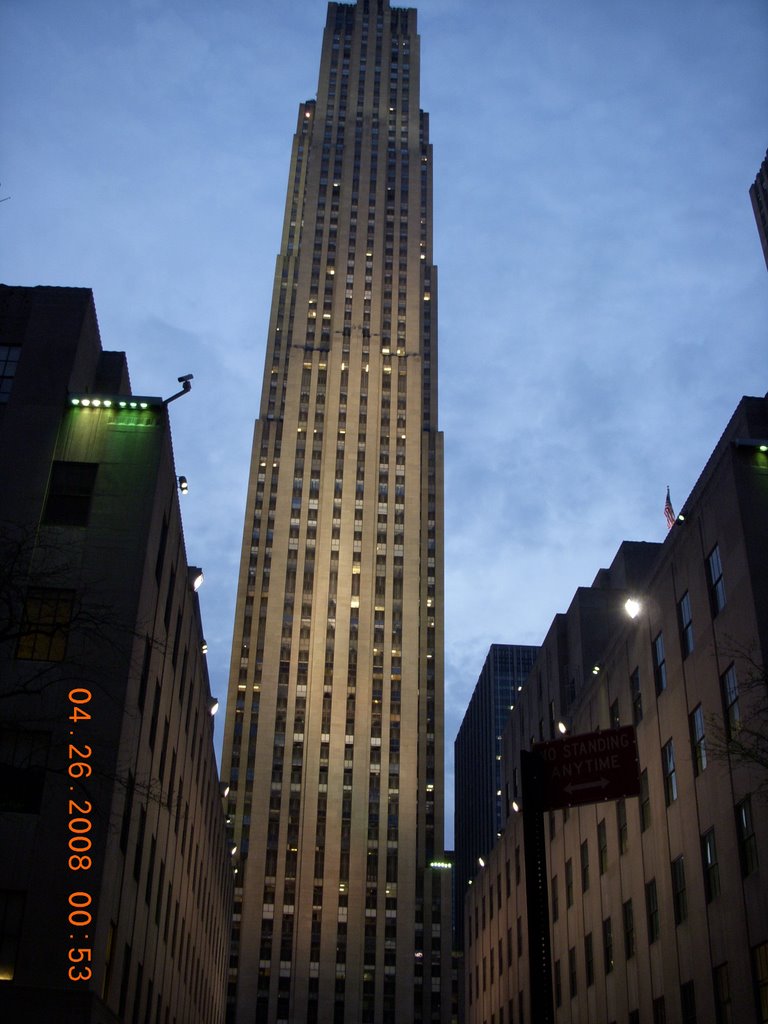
(334, 735)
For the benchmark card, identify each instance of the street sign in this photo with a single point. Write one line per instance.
(586, 769)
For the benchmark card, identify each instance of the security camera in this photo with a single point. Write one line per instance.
(185, 378)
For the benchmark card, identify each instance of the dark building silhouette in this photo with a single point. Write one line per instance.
(333, 746)
(115, 901)
(758, 193)
(658, 904)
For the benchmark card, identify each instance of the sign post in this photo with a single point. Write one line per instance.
(536, 891)
(568, 772)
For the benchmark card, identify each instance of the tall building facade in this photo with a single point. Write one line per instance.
(479, 809)
(116, 878)
(333, 746)
(658, 904)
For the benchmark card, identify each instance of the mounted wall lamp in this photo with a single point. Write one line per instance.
(195, 576)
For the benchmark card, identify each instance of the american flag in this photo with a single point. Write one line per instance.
(669, 512)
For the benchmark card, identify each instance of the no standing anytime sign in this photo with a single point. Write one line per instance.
(586, 769)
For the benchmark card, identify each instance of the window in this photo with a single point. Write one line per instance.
(69, 493)
(652, 910)
(760, 969)
(730, 691)
(629, 929)
(659, 1011)
(698, 746)
(745, 832)
(637, 697)
(621, 825)
(659, 664)
(558, 985)
(555, 900)
(602, 846)
(688, 1002)
(645, 801)
(9, 361)
(589, 959)
(608, 945)
(23, 762)
(614, 715)
(679, 898)
(668, 770)
(685, 624)
(572, 979)
(569, 883)
(45, 625)
(722, 987)
(715, 580)
(11, 913)
(584, 852)
(709, 865)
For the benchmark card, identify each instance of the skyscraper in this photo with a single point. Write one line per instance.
(334, 735)
(480, 813)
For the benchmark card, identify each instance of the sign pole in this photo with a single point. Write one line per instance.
(536, 890)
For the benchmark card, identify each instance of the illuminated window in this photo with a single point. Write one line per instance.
(45, 625)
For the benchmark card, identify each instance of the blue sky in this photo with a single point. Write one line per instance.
(603, 300)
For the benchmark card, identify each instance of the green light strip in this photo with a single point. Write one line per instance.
(93, 402)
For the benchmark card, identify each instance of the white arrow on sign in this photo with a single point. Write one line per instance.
(572, 787)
